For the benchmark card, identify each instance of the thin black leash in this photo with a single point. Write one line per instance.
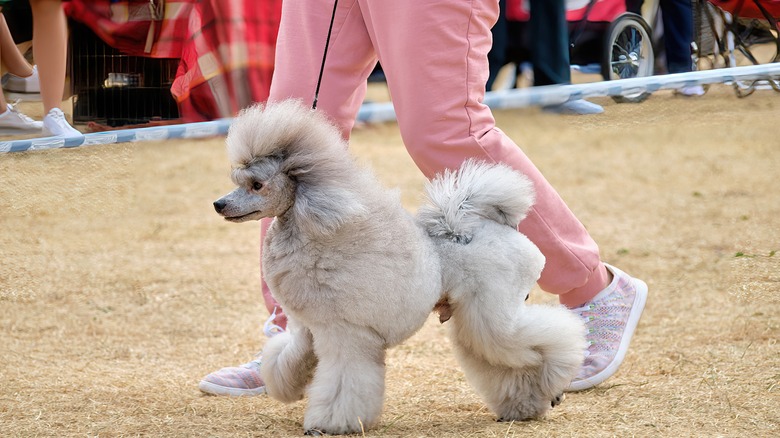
(324, 54)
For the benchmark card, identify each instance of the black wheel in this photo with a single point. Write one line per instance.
(628, 53)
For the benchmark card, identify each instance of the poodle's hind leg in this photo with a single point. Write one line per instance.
(288, 361)
(510, 393)
(347, 392)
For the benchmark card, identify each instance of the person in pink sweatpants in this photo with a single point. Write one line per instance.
(434, 56)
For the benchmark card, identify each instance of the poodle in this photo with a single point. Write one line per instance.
(357, 274)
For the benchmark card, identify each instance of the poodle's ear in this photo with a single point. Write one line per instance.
(325, 211)
(299, 171)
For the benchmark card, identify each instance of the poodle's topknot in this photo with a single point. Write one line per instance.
(284, 128)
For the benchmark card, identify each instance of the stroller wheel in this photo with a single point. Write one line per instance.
(628, 53)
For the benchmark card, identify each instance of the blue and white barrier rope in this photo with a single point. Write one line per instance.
(384, 112)
(558, 94)
(165, 132)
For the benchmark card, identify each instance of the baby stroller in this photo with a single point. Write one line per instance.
(604, 38)
(731, 33)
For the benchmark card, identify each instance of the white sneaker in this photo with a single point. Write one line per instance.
(574, 107)
(14, 122)
(18, 84)
(54, 124)
(692, 91)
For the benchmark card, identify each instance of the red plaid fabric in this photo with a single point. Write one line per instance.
(155, 29)
(226, 48)
(228, 58)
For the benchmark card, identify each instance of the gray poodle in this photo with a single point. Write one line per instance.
(356, 274)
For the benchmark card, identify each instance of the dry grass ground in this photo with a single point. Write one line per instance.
(120, 287)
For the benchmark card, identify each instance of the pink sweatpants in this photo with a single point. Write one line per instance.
(434, 55)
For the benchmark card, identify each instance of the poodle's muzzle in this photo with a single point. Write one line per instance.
(240, 205)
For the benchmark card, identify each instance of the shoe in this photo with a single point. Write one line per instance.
(610, 318)
(55, 125)
(18, 84)
(694, 90)
(14, 122)
(575, 107)
(235, 381)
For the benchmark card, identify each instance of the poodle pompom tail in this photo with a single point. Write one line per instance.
(456, 200)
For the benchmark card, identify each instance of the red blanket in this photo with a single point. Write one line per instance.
(226, 48)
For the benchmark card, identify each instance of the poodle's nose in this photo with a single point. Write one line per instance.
(219, 205)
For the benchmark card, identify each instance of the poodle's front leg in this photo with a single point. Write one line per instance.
(347, 392)
(288, 361)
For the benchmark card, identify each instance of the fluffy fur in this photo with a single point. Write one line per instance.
(356, 274)
(519, 358)
(352, 269)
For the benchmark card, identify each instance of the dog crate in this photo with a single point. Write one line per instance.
(115, 89)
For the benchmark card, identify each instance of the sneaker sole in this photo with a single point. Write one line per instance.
(27, 97)
(633, 320)
(213, 389)
(15, 131)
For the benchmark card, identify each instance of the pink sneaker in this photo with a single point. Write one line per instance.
(611, 318)
(235, 381)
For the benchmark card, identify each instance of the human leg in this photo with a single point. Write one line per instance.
(11, 120)
(299, 50)
(12, 58)
(446, 124)
(497, 54)
(300, 46)
(677, 17)
(50, 39)
(550, 42)
(550, 53)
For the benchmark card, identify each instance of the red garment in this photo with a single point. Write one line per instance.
(135, 26)
(228, 58)
(603, 10)
(749, 8)
(226, 48)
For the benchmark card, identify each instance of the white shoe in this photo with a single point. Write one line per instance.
(574, 107)
(14, 122)
(693, 90)
(242, 380)
(18, 84)
(54, 124)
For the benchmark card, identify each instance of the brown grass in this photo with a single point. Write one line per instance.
(120, 287)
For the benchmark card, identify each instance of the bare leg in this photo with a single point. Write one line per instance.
(12, 58)
(50, 47)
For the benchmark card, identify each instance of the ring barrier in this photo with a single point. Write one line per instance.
(384, 112)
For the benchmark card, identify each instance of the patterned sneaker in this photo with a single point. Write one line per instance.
(18, 84)
(14, 122)
(235, 381)
(54, 124)
(610, 317)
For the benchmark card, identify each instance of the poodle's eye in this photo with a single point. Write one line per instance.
(257, 185)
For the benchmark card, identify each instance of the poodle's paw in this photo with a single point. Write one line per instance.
(315, 432)
(558, 400)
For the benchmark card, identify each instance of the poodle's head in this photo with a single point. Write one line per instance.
(263, 190)
(286, 157)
